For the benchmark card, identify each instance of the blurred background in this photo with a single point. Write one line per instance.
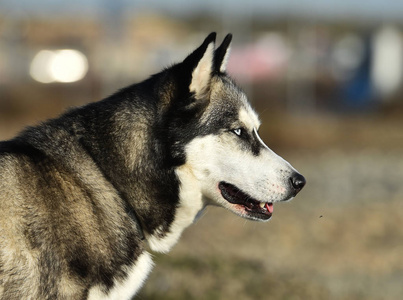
(327, 80)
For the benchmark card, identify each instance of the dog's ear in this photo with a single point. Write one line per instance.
(200, 64)
(221, 55)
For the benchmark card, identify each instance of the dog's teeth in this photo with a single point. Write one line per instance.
(262, 204)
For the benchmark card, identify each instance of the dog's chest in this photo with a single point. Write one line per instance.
(128, 287)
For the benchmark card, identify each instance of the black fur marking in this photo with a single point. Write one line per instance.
(220, 53)
(248, 141)
(20, 147)
(256, 144)
(131, 212)
(79, 263)
(51, 270)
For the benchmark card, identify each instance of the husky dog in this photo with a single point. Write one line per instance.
(83, 196)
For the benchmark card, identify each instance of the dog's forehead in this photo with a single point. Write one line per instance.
(248, 116)
(226, 94)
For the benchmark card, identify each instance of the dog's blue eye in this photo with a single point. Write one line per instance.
(238, 131)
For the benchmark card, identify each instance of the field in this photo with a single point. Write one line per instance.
(319, 246)
(341, 238)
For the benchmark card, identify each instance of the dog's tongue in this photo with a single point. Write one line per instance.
(269, 207)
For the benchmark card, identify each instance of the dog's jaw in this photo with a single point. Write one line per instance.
(244, 204)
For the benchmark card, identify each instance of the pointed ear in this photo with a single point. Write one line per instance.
(221, 55)
(200, 64)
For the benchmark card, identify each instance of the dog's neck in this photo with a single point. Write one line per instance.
(188, 209)
(133, 215)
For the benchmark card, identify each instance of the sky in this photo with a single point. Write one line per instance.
(334, 9)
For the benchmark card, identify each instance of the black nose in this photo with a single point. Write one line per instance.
(297, 181)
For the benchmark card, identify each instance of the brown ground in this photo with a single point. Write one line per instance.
(341, 238)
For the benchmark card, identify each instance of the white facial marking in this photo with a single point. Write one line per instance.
(248, 117)
(127, 288)
(221, 158)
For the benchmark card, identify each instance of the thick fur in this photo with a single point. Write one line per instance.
(83, 195)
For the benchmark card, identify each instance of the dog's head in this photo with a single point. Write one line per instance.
(218, 139)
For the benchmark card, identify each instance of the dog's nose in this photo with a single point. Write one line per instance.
(298, 182)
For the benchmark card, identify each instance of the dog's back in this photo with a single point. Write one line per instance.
(17, 264)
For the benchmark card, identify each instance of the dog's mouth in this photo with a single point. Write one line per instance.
(253, 208)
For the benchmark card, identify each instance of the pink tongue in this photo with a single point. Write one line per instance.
(269, 207)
